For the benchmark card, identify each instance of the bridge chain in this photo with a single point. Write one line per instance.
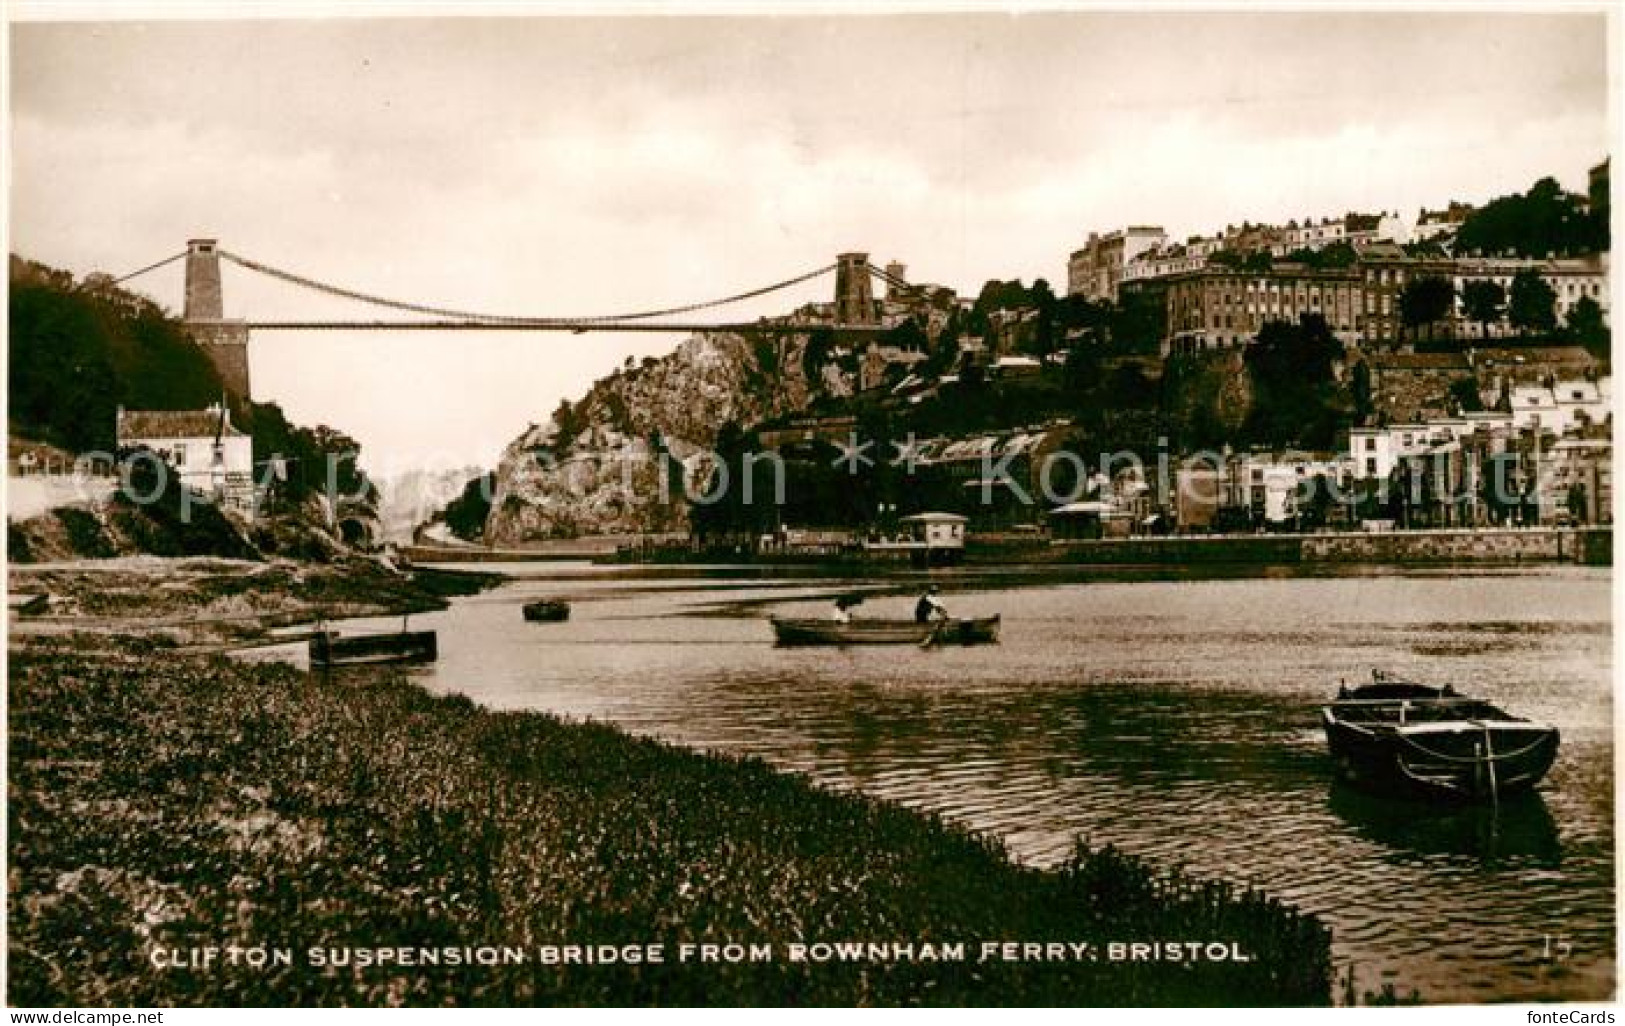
(149, 267)
(433, 311)
(887, 277)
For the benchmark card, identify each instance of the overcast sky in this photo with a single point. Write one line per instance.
(544, 166)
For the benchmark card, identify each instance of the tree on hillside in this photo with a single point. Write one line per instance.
(1484, 302)
(1129, 388)
(1292, 367)
(1082, 370)
(76, 354)
(1044, 299)
(564, 418)
(1545, 221)
(906, 335)
(1258, 260)
(1532, 304)
(1137, 323)
(1335, 256)
(465, 516)
(944, 349)
(1360, 389)
(1076, 312)
(1425, 249)
(296, 462)
(737, 504)
(1464, 395)
(1002, 295)
(1586, 326)
(1426, 301)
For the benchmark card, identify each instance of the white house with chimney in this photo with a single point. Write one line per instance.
(208, 452)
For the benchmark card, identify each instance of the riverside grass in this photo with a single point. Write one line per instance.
(160, 800)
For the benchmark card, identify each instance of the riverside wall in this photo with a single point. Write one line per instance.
(1591, 546)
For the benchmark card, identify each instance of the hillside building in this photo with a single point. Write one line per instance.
(210, 455)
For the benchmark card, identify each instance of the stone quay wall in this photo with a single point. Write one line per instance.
(1592, 546)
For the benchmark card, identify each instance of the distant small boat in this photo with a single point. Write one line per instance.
(1394, 734)
(328, 650)
(886, 632)
(547, 611)
(27, 604)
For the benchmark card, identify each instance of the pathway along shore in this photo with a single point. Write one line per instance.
(165, 805)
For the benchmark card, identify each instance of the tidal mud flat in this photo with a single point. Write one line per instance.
(350, 839)
(204, 602)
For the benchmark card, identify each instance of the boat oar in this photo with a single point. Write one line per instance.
(930, 639)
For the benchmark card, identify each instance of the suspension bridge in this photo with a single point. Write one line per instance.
(203, 302)
(853, 313)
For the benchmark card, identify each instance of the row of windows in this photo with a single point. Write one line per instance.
(1256, 320)
(176, 455)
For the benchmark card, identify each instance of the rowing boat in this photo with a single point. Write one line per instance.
(328, 650)
(1402, 735)
(886, 632)
(547, 611)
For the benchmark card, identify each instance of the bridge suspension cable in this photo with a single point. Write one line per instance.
(149, 267)
(887, 277)
(393, 304)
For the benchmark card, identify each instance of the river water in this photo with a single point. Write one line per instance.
(1174, 716)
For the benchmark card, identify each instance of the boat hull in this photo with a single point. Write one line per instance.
(1474, 762)
(886, 632)
(548, 611)
(365, 649)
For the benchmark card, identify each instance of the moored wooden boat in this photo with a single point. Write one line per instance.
(27, 604)
(886, 632)
(1400, 735)
(547, 611)
(328, 650)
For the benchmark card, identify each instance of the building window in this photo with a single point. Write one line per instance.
(1371, 465)
(1370, 444)
(180, 455)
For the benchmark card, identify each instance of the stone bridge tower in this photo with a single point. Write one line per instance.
(226, 342)
(854, 297)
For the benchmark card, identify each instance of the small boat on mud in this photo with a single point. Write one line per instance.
(328, 650)
(547, 611)
(886, 632)
(1401, 735)
(21, 604)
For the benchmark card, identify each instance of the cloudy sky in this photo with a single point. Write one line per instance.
(554, 166)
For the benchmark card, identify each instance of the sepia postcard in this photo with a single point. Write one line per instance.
(842, 506)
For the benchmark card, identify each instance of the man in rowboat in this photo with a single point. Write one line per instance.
(929, 608)
(843, 604)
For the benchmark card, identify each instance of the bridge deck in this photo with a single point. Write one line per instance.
(578, 327)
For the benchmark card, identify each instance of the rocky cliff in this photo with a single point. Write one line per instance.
(616, 461)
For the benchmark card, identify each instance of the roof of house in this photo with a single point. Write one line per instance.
(176, 424)
(1534, 355)
(1082, 508)
(933, 518)
(1417, 361)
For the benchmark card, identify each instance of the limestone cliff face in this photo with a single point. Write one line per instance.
(600, 471)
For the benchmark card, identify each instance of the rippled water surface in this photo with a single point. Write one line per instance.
(1177, 719)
